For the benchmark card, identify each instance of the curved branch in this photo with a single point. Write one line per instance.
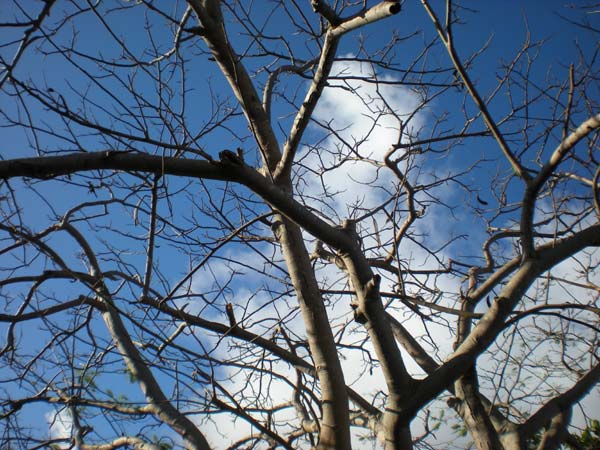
(533, 187)
(380, 11)
(560, 404)
(493, 321)
(52, 166)
(161, 407)
(557, 432)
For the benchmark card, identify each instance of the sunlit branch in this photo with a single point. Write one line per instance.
(151, 389)
(120, 442)
(178, 36)
(492, 322)
(274, 77)
(334, 33)
(535, 185)
(212, 30)
(561, 403)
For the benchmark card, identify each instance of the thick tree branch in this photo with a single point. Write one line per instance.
(560, 404)
(122, 442)
(335, 425)
(557, 432)
(412, 347)
(52, 166)
(492, 323)
(214, 34)
(472, 410)
(334, 32)
(535, 185)
(370, 311)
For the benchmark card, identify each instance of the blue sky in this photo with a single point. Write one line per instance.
(501, 24)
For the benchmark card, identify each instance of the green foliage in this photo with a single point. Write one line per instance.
(459, 429)
(589, 438)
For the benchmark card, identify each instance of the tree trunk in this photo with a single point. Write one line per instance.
(335, 423)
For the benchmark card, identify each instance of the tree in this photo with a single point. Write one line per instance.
(589, 438)
(292, 218)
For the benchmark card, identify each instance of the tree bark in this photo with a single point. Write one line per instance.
(335, 423)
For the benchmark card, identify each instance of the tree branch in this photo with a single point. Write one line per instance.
(492, 322)
(560, 404)
(335, 31)
(447, 39)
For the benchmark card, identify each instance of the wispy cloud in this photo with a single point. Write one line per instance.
(359, 121)
(60, 424)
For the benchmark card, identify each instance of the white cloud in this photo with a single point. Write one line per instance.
(364, 116)
(60, 424)
(365, 126)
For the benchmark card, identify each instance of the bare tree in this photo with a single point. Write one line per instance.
(289, 223)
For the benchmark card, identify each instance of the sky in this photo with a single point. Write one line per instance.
(499, 25)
